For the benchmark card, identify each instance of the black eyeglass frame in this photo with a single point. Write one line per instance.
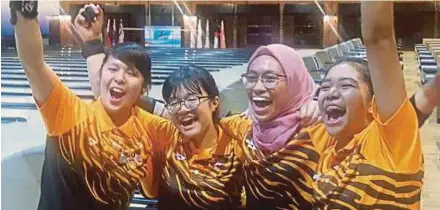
(262, 79)
(179, 103)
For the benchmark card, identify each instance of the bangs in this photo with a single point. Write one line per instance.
(193, 88)
(132, 55)
(178, 81)
(132, 58)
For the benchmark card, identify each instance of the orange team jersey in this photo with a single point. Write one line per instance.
(281, 180)
(381, 167)
(111, 161)
(207, 179)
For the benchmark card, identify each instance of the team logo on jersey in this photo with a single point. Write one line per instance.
(130, 159)
(317, 177)
(179, 156)
(92, 141)
(250, 144)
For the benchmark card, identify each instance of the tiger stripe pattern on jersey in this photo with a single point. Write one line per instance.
(111, 162)
(283, 179)
(357, 184)
(210, 182)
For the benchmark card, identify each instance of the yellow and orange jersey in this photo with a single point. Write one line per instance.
(200, 179)
(381, 168)
(112, 161)
(281, 180)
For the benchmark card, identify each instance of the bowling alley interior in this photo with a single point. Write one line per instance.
(221, 38)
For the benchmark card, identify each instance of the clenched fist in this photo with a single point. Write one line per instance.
(89, 30)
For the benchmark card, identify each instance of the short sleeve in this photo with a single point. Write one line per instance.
(161, 131)
(62, 110)
(401, 135)
(236, 126)
(319, 136)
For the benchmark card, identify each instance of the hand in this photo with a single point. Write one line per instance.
(29, 9)
(310, 114)
(89, 30)
(245, 114)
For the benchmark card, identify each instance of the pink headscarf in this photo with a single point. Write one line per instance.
(273, 135)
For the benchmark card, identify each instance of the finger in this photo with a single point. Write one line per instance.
(316, 121)
(81, 18)
(80, 21)
(100, 15)
(95, 8)
(303, 111)
(316, 116)
(308, 113)
(81, 11)
(312, 114)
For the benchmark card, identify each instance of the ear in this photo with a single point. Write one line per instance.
(215, 103)
(143, 91)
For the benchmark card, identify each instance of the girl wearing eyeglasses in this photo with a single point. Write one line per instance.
(279, 156)
(201, 167)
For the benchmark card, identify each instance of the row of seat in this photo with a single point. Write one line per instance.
(428, 57)
(322, 60)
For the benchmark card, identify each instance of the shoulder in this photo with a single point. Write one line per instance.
(318, 134)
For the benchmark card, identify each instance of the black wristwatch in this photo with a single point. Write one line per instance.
(29, 10)
(92, 47)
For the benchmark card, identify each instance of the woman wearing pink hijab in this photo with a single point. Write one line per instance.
(279, 156)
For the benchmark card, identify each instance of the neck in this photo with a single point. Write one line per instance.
(121, 117)
(342, 141)
(206, 139)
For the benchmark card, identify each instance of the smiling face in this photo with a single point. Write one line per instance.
(265, 102)
(344, 100)
(195, 120)
(120, 86)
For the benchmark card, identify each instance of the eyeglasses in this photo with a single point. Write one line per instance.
(270, 80)
(192, 103)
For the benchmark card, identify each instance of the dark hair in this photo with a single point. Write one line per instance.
(361, 66)
(132, 54)
(192, 78)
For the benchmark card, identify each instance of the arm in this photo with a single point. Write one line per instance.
(395, 118)
(30, 52)
(54, 100)
(88, 34)
(94, 63)
(236, 126)
(383, 61)
(426, 99)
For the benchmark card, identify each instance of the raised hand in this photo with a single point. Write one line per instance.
(89, 26)
(29, 9)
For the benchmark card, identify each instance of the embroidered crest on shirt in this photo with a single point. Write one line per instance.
(317, 177)
(179, 156)
(130, 159)
(92, 142)
(250, 144)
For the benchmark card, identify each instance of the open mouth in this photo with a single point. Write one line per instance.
(188, 121)
(261, 102)
(334, 114)
(116, 93)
